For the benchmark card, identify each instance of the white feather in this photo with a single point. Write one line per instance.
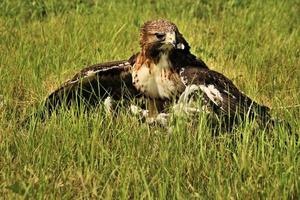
(212, 93)
(108, 104)
(183, 104)
(155, 84)
(180, 46)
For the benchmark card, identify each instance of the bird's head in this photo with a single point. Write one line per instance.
(162, 36)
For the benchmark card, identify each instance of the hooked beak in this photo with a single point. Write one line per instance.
(171, 39)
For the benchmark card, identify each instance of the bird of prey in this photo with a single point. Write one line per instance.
(160, 72)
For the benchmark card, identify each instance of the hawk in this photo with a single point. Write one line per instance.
(160, 72)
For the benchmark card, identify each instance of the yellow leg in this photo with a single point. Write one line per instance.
(154, 107)
(151, 106)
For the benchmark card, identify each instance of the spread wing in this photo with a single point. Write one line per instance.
(222, 95)
(95, 83)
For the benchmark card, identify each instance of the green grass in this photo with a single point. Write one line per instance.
(42, 43)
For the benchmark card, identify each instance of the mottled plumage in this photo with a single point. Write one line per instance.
(223, 97)
(161, 71)
(95, 83)
(156, 71)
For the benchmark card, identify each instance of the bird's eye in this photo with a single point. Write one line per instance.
(160, 36)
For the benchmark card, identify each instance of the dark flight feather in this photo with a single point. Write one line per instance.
(223, 96)
(94, 83)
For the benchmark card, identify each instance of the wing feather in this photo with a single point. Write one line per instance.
(94, 83)
(222, 94)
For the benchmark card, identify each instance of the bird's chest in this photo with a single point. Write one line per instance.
(158, 81)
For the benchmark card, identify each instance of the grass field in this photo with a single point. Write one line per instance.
(90, 156)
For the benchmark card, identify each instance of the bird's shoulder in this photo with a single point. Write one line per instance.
(114, 70)
(185, 59)
(106, 69)
(204, 76)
